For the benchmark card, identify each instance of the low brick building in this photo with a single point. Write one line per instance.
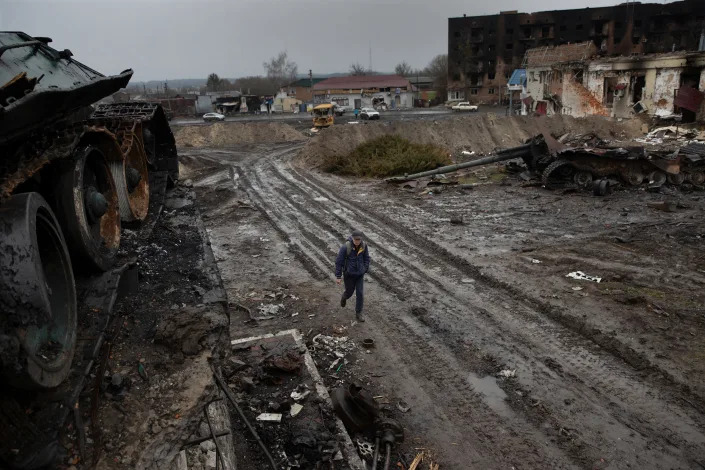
(362, 91)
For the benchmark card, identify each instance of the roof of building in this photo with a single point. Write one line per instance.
(362, 81)
(518, 78)
(654, 56)
(305, 82)
(549, 55)
(420, 79)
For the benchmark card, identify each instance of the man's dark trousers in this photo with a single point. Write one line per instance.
(354, 284)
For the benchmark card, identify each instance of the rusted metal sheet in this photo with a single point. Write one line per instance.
(689, 98)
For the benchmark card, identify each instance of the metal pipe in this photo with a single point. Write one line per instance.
(231, 398)
(509, 154)
(376, 454)
(388, 457)
(203, 439)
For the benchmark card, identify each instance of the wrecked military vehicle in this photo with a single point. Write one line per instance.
(70, 175)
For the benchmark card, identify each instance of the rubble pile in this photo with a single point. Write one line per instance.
(279, 397)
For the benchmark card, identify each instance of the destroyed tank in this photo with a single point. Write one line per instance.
(70, 175)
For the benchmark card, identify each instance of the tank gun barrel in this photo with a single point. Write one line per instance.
(508, 154)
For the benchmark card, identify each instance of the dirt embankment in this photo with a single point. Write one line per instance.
(481, 134)
(228, 134)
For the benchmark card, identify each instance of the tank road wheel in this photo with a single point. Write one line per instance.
(37, 296)
(87, 206)
(633, 177)
(559, 168)
(657, 178)
(676, 180)
(583, 179)
(132, 182)
(696, 177)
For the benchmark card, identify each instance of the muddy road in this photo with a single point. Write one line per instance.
(504, 361)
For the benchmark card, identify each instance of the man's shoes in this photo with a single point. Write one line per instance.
(360, 317)
(342, 301)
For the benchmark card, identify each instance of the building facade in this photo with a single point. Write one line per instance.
(301, 89)
(365, 91)
(483, 51)
(657, 84)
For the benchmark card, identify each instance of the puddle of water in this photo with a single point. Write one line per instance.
(493, 396)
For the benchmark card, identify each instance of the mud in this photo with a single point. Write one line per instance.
(504, 361)
(229, 134)
(482, 134)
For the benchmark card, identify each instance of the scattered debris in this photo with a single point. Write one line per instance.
(299, 396)
(403, 406)
(368, 343)
(507, 373)
(270, 417)
(581, 276)
(666, 206)
(295, 409)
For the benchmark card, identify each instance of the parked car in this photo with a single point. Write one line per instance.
(464, 106)
(369, 113)
(339, 110)
(208, 117)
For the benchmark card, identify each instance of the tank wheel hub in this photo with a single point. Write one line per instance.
(96, 203)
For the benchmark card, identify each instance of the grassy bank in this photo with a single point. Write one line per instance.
(385, 156)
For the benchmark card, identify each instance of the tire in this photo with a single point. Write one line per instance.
(93, 237)
(37, 296)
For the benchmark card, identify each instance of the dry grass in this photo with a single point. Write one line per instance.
(385, 156)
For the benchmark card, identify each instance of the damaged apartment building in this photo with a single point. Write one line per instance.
(573, 79)
(483, 51)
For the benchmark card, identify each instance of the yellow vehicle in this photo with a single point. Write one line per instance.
(323, 115)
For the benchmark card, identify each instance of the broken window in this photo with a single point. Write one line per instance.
(491, 75)
(473, 91)
(509, 45)
(490, 91)
(490, 48)
(545, 32)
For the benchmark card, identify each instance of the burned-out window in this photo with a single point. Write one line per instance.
(456, 76)
(637, 23)
(490, 48)
(491, 75)
(473, 91)
(491, 91)
(636, 40)
(545, 31)
(509, 46)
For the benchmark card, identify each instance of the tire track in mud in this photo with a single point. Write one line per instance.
(422, 348)
(317, 212)
(620, 350)
(598, 367)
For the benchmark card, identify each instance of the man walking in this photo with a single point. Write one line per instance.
(352, 263)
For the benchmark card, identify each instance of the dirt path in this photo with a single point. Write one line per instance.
(447, 321)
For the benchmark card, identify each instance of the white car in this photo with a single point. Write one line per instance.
(464, 106)
(368, 113)
(213, 117)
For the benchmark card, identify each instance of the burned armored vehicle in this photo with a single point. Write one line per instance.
(70, 175)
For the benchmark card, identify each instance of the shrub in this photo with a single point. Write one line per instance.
(385, 156)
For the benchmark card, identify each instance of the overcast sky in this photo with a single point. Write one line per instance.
(163, 39)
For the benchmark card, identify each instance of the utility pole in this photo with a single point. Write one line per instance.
(310, 81)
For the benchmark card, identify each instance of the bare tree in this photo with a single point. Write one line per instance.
(438, 69)
(358, 69)
(281, 70)
(403, 69)
(256, 85)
